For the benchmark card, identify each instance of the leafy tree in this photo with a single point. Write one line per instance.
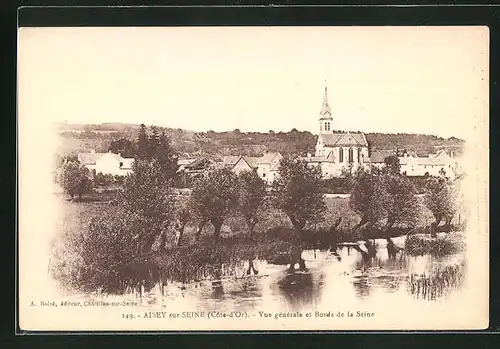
(392, 164)
(124, 147)
(101, 179)
(394, 201)
(109, 242)
(361, 200)
(297, 191)
(75, 179)
(147, 193)
(166, 156)
(118, 179)
(384, 199)
(251, 197)
(184, 214)
(441, 198)
(214, 197)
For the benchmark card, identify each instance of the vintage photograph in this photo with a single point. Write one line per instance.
(253, 178)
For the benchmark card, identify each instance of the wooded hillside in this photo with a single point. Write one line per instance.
(74, 138)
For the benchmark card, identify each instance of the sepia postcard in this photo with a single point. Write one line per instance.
(253, 178)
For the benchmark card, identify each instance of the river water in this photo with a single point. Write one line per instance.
(405, 292)
(327, 284)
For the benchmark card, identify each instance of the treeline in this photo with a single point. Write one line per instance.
(250, 143)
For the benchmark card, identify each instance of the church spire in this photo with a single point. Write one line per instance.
(325, 116)
(325, 109)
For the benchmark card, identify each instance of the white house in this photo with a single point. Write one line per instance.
(268, 166)
(439, 164)
(106, 163)
(337, 151)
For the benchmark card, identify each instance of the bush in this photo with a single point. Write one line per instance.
(336, 185)
(206, 258)
(419, 244)
(92, 259)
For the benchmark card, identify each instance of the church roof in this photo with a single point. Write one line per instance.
(343, 139)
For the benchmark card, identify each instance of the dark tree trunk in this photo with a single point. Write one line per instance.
(448, 223)
(217, 223)
(147, 243)
(302, 264)
(251, 226)
(201, 225)
(434, 226)
(181, 234)
(251, 268)
(163, 241)
(363, 221)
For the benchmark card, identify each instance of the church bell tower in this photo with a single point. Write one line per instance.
(325, 116)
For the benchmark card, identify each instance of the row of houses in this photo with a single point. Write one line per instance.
(114, 164)
(442, 163)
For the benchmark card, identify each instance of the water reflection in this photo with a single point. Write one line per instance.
(301, 289)
(329, 283)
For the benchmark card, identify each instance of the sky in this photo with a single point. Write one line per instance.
(431, 80)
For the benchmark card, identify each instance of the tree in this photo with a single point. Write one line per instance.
(142, 143)
(441, 198)
(75, 179)
(166, 156)
(384, 198)
(298, 192)
(101, 179)
(124, 147)
(251, 197)
(184, 214)
(146, 192)
(214, 197)
(392, 164)
(153, 143)
(394, 201)
(108, 243)
(361, 199)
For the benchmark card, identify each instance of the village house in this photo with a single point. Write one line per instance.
(106, 163)
(337, 152)
(194, 166)
(438, 164)
(266, 166)
(441, 163)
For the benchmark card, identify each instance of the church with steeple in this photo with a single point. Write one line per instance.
(337, 151)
